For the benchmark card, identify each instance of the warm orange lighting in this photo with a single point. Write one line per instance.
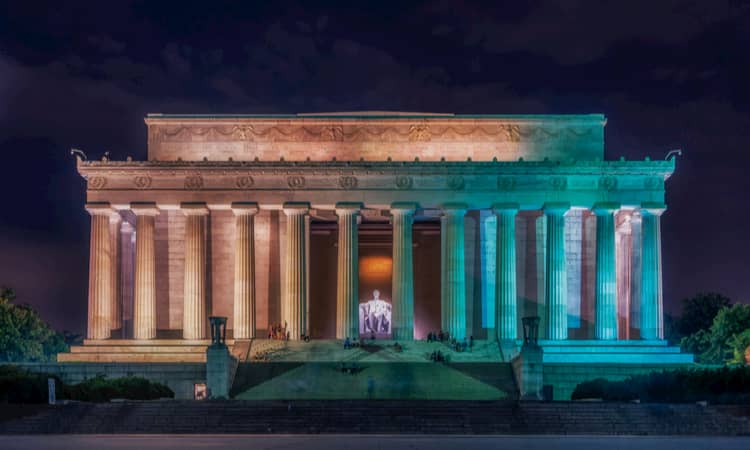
(375, 266)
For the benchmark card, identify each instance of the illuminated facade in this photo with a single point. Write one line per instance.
(232, 215)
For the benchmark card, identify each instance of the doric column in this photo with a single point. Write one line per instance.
(454, 275)
(115, 221)
(605, 321)
(556, 282)
(651, 290)
(194, 295)
(402, 275)
(294, 298)
(100, 273)
(244, 270)
(506, 324)
(144, 297)
(347, 286)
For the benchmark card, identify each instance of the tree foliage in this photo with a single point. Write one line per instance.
(723, 341)
(698, 312)
(24, 336)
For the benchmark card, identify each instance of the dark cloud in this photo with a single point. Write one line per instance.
(667, 74)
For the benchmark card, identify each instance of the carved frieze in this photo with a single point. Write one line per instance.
(296, 182)
(142, 181)
(348, 182)
(505, 183)
(97, 182)
(455, 182)
(244, 182)
(193, 182)
(370, 132)
(653, 183)
(607, 183)
(404, 182)
(558, 183)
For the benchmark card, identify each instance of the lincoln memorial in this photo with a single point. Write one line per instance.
(375, 224)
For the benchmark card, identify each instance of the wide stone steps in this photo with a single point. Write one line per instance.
(433, 417)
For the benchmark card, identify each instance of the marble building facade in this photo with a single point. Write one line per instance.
(530, 217)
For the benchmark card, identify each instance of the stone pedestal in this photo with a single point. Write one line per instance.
(529, 370)
(100, 272)
(194, 300)
(144, 297)
(556, 280)
(347, 286)
(220, 366)
(294, 293)
(505, 272)
(605, 321)
(244, 270)
(651, 288)
(402, 279)
(454, 275)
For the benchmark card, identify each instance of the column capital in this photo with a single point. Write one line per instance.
(605, 208)
(245, 208)
(296, 208)
(505, 208)
(99, 209)
(653, 208)
(144, 208)
(403, 208)
(556, 208)
(194, 209)
(454, 209)
(343, 208)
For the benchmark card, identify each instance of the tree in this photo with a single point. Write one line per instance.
(24, 336)
(698, 312)
(728, 324)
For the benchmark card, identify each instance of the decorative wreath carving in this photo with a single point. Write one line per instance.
(559, 183)
(506, 183)
(97, 182)
(653, 183)
(348, 182)
(194, 182)
(404, 182)
(142, 181)
(455, 182)
(607, 183)
(296, 182)
(244, 182)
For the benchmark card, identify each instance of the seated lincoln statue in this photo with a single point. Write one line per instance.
(375, 315)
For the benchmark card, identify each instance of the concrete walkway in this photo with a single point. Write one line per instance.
(370, 442)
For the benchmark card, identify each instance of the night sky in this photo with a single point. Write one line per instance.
(667, 74)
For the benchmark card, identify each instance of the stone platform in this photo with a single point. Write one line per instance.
(141, 351)
(179, 351)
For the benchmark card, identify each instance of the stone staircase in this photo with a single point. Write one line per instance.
(384, 416)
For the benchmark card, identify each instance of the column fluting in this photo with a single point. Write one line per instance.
(651, 284)
(347, 287)
(115, 222)
(556, 282)
(454, 275)
(244, 270)
(294, 298)
(100, 273)
(144, 297)
(194, 295)
(605, 320)
(402, 275)
(506, 297)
